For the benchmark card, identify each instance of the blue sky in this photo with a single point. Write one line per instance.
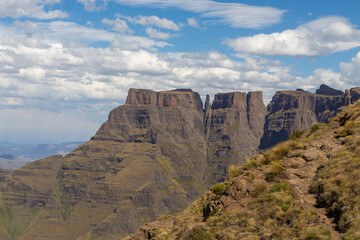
(64, 64)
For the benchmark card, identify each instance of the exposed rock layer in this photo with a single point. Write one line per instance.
(303, 188)
(297, 110)
(153, 156)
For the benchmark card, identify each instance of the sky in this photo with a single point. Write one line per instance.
(65, 64)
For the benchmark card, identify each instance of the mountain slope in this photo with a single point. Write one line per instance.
(305, 188)
(154, 155)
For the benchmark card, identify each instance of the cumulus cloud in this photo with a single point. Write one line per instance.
(234, 14)
(41, 70)
(26, 8)
(319, 37)
(118, 25)
(152, 21)
(153, 33)
(350, 71)
(193, 23)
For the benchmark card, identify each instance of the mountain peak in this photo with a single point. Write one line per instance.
(326, 90)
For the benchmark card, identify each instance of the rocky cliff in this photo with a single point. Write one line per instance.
(153, 156)
(233, 129)
(298, 110)
(301, 189)
(326, 90)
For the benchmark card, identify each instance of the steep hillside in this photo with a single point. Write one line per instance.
(305, 188)
(154, 155)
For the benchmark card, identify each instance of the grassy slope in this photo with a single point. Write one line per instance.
(305, 188)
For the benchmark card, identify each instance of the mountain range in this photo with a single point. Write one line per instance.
(17, 155)
(304, 188)
(154, 156)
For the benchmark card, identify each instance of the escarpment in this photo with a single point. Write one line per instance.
(153, 156)
(234, 126)
(303, 188)
(298, 110)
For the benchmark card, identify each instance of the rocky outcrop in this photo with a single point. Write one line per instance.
(234, 126)
(326, 90)
(298, 110)
(301, 189)
(153, 156)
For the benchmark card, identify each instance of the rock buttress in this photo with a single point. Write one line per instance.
(234, 126)
(146, 160)
(289, 111)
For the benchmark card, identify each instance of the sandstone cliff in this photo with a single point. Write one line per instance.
(233, 129)
(154, 155)
(301, 189)
(298, 110)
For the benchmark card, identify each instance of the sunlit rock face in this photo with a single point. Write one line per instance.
(153, 156)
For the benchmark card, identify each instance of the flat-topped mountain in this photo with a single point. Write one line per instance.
(154, 155)
(304, 188)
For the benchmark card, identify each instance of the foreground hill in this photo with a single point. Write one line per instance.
(154, 155)
(305, 188)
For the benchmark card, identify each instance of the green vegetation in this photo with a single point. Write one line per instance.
(318, 234)
(314, 128)
(276, 169)
(234, 171)
(297, 134)
(17, 220)
(218, 189)
(272, 213)
(337, 187)
(266, 205)
(199, 233)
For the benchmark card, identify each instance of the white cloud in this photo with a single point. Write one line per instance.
(33, 8)
(74, 34)
(351, 71)
(93, 5)
(193, 23)
(322, 76)
(152, 21)
(153, 33)
(234, 14)
(42, 71)
(118, 25)
(322, 36)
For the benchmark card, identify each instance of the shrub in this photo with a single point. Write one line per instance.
(315, 128)
(218, 189)
(234, 171)
(199, 233)
(318, 234)
(297, 134)
(279, 186)
(275, 170)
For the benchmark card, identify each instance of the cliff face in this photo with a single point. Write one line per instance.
(298, 110)
(301, 189)
(153, 156)
(234, 126)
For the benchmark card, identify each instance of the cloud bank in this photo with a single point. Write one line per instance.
(320, 37)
